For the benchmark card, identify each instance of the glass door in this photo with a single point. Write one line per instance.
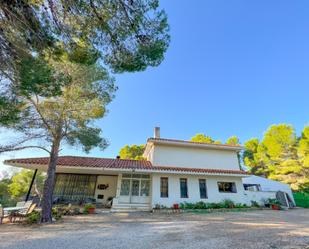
(135, 188)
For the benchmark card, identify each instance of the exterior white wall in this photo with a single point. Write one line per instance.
(187, 157)
(259, 196)
(193, 189)
(268, 185)
(110, 191)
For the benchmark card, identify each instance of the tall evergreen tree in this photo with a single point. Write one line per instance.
(134, 152)
(126, 36)
(233, 141)
(202, 138)
(280, 156)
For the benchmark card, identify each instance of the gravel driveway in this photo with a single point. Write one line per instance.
(252, 229)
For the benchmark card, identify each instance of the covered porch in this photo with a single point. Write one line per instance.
(116, 191)
(109, 183)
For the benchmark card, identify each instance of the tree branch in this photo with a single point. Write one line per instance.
(11, 148)
(41, 115)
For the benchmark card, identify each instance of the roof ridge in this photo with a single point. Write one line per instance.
(192, 142)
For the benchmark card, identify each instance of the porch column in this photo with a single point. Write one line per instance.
(30, 187)
(119, 178)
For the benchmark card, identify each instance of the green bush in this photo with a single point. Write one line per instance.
(228, 203)
(273, 201)
(57, 213)
(212, 205)
(68, 209)
(254, 204)
(33, 218)
(200, 205)
(87, 207)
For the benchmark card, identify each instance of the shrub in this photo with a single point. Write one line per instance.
(254, 204)
(228, 203)
(273, 201)
(87, 207)
(189, 205)
(57, 213)
(68, 209)
(215, 205)
(212, 205)
(200, 205)
(33, 218)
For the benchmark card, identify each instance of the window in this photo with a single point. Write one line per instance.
(227, 187)
(203, 188)
(164, 187)
(135, 185)
(74, 187)
(252, 187)
(125, 187)
(183, 188)
(145, 188)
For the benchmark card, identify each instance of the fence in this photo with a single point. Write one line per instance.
(301, 199)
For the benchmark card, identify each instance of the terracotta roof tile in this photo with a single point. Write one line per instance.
(93, 162)
(86, 162)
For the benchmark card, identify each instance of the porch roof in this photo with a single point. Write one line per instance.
(116, 164)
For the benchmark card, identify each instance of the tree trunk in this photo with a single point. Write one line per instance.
(49, 183)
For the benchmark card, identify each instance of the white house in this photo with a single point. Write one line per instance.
(175, 171)
(259, 188)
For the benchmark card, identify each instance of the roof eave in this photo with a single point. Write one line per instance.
(153, 141)
(101, 170)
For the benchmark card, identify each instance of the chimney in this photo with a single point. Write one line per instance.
(157, 132)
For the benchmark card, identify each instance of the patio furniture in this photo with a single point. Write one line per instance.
(109, 202)
(20, 204)
(22, 214)
(2, 215)
(28, 204)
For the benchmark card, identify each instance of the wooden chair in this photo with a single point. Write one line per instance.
(21, 215)
(2, 215)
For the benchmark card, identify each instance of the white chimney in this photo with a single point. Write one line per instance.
(157, 132)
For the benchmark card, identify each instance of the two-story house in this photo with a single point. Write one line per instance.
(175, 171)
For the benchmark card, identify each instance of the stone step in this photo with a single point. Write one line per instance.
(130, 207)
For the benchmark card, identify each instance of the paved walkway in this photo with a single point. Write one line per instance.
(252, 229)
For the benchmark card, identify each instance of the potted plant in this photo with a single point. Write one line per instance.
(274, 203)
(89, 208)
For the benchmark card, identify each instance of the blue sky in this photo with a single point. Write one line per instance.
(233, 68)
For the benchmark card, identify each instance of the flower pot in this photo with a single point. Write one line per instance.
(274, 207)
(176, 206)
(91, 210)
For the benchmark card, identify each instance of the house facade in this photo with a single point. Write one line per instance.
(175, 171)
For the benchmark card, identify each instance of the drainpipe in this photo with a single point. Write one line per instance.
(30, 187)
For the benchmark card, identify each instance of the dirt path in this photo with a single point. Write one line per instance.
(254, 229)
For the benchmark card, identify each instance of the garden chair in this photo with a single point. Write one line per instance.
(2, 215)
(20, 204)
(21, 215)
(28, 204)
